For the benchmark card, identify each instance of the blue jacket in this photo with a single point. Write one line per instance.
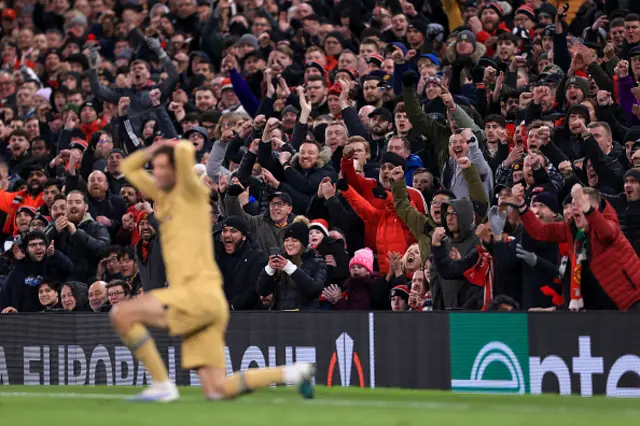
(21, 291)
(413, 162)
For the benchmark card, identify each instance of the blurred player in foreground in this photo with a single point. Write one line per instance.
(194, 306)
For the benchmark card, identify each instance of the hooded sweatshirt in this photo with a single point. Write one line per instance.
(80, 292)
(456, 293)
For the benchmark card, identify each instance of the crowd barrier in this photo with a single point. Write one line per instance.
(515, 353)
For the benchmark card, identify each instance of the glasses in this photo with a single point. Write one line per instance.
(34, 245)
(113, 259)
(276, 205)
(451, 214)
(116, 293)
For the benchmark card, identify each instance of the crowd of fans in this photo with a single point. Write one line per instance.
(392, 154)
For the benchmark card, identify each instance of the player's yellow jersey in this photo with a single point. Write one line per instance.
(184, 217)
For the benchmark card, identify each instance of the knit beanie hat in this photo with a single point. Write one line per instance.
(634, 173)
(298, 231)
(236, 222)
(493, 6)
(633, 134)
(364, 258)
(321, 225)
(581, 82)
(400, 290)
(550, 200)
(528, 11)
(395, 159)
(466, 35)
(578, 109)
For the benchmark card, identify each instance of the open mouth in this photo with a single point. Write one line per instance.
(628, 192)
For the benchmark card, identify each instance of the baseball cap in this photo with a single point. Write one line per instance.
(383, 112)
(282, 195)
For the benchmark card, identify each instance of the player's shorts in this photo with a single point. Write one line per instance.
(200, 318)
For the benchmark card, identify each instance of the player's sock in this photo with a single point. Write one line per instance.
(144, 348)
(252, 379)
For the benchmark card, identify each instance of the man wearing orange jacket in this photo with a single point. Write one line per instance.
(10, 202)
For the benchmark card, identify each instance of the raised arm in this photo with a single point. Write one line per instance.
(133, 169)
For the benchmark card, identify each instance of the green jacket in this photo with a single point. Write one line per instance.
(422, 226)
(437, 134)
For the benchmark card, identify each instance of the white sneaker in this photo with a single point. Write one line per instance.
(300, 374)
(158, 392)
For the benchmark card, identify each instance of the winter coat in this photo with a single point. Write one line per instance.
(86, 247)
(610, 257)
(436, 134)
(421, 225)
(456, 293)
(629, 217)
(261, 227)
(413, 162)
(358, 293)
(112, 207)
(239, 271)
(151, 269)
(10, 203)
(335, 274)
(80, 292)
(21, 287)
(390, 234)
(377, 197)
(299, 183)
(300, 290)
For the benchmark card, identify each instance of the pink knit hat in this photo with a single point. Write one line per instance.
(364, 258)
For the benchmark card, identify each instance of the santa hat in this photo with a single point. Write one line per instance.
(226, 84)
(321, 225)
(364, 258)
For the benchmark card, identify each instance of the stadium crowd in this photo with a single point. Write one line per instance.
(392, 154)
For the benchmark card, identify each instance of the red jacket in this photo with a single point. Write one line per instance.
(389, 232)
(8, 206)
(364, 187)
(612, 260)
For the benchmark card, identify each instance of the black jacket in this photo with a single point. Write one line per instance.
(335, 274)
(338, 212)
(298, 291)
(239, 271)
(21, 289)
(85, 248)
(151, 268)
(112, 207)
(80, 292)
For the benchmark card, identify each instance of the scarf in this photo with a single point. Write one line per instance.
(481, 274)
(578, 256)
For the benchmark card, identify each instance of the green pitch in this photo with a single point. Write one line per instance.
(68, 406)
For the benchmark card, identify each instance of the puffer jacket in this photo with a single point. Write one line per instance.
(390, 234)
(300, 290)
(611, 257)
(456, 293)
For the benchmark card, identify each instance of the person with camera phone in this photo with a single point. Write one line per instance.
(295, 274)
